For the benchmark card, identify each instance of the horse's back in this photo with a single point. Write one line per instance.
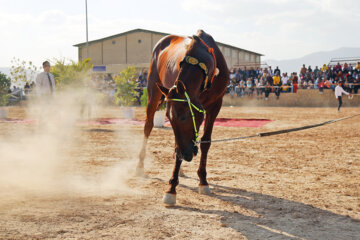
(166, 58)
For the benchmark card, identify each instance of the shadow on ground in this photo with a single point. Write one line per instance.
(278, 218)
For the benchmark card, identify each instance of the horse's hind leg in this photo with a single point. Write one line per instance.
(154, 95)
(211, 115)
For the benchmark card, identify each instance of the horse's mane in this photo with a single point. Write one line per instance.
(195, 39)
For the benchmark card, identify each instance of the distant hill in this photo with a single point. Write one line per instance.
(313, 59)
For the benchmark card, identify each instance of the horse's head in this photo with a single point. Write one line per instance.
(186, 115)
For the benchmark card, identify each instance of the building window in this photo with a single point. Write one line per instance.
(227, 52)
(247, 57)
(139, 41)
(113, 42)
(234, 54)
(257, 59)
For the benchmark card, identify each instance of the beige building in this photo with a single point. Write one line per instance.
(114, 53)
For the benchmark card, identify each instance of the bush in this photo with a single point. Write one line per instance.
(73, 74)
(144, 98)
(5, 83)
(126, 84)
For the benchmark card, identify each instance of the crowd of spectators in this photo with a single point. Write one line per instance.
(328, 76)
(262, 81)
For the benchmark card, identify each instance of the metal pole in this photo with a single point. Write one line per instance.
(87, 42)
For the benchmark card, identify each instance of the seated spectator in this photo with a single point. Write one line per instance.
(284, 83)
(337, 67)
(295, 80)
(356, 84)
(232, 74)
(249, 87)
(238, 89)
(277, 84)
(260, 87)
(357, 67)
(316, 83)
(327, 84)
(324, 68)
(309, 70)
(345, 68)
(242, 87)
(316, 71)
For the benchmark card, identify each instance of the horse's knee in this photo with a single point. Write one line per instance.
(205, 146)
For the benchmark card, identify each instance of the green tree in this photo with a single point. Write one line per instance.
(5, 83)
(22, 72)
(73, 74)
(126, 84)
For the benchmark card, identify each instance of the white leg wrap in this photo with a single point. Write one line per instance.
(204, 189)
(169, 199)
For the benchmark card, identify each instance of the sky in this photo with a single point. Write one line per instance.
(37, 30)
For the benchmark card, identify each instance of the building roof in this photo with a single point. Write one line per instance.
(160, 33)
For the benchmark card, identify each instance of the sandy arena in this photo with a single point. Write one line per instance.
(79, 183)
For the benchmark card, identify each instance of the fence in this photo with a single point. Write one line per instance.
(303, 98)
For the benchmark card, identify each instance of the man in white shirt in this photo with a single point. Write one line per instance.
(45, 82)
(338, 94)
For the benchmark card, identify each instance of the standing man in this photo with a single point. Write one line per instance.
(338, 94)
(277, 71)
(45, 82)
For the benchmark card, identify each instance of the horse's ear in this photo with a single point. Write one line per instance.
(196, 38)
(180, 87)
(163, 90)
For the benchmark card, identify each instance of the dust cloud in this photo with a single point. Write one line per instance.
(38, 159)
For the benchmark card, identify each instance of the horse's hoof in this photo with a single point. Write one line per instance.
(140, 172)
(204, 189)
(169, 199)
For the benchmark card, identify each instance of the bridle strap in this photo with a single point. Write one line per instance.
(191, 106)
(210, 50)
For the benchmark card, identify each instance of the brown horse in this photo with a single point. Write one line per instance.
(192, 75)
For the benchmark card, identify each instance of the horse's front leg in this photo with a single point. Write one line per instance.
(211, 115)
(170, 195)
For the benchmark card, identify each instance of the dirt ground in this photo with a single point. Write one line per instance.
(300, 185)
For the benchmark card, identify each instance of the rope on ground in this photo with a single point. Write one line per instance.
(266, 134)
